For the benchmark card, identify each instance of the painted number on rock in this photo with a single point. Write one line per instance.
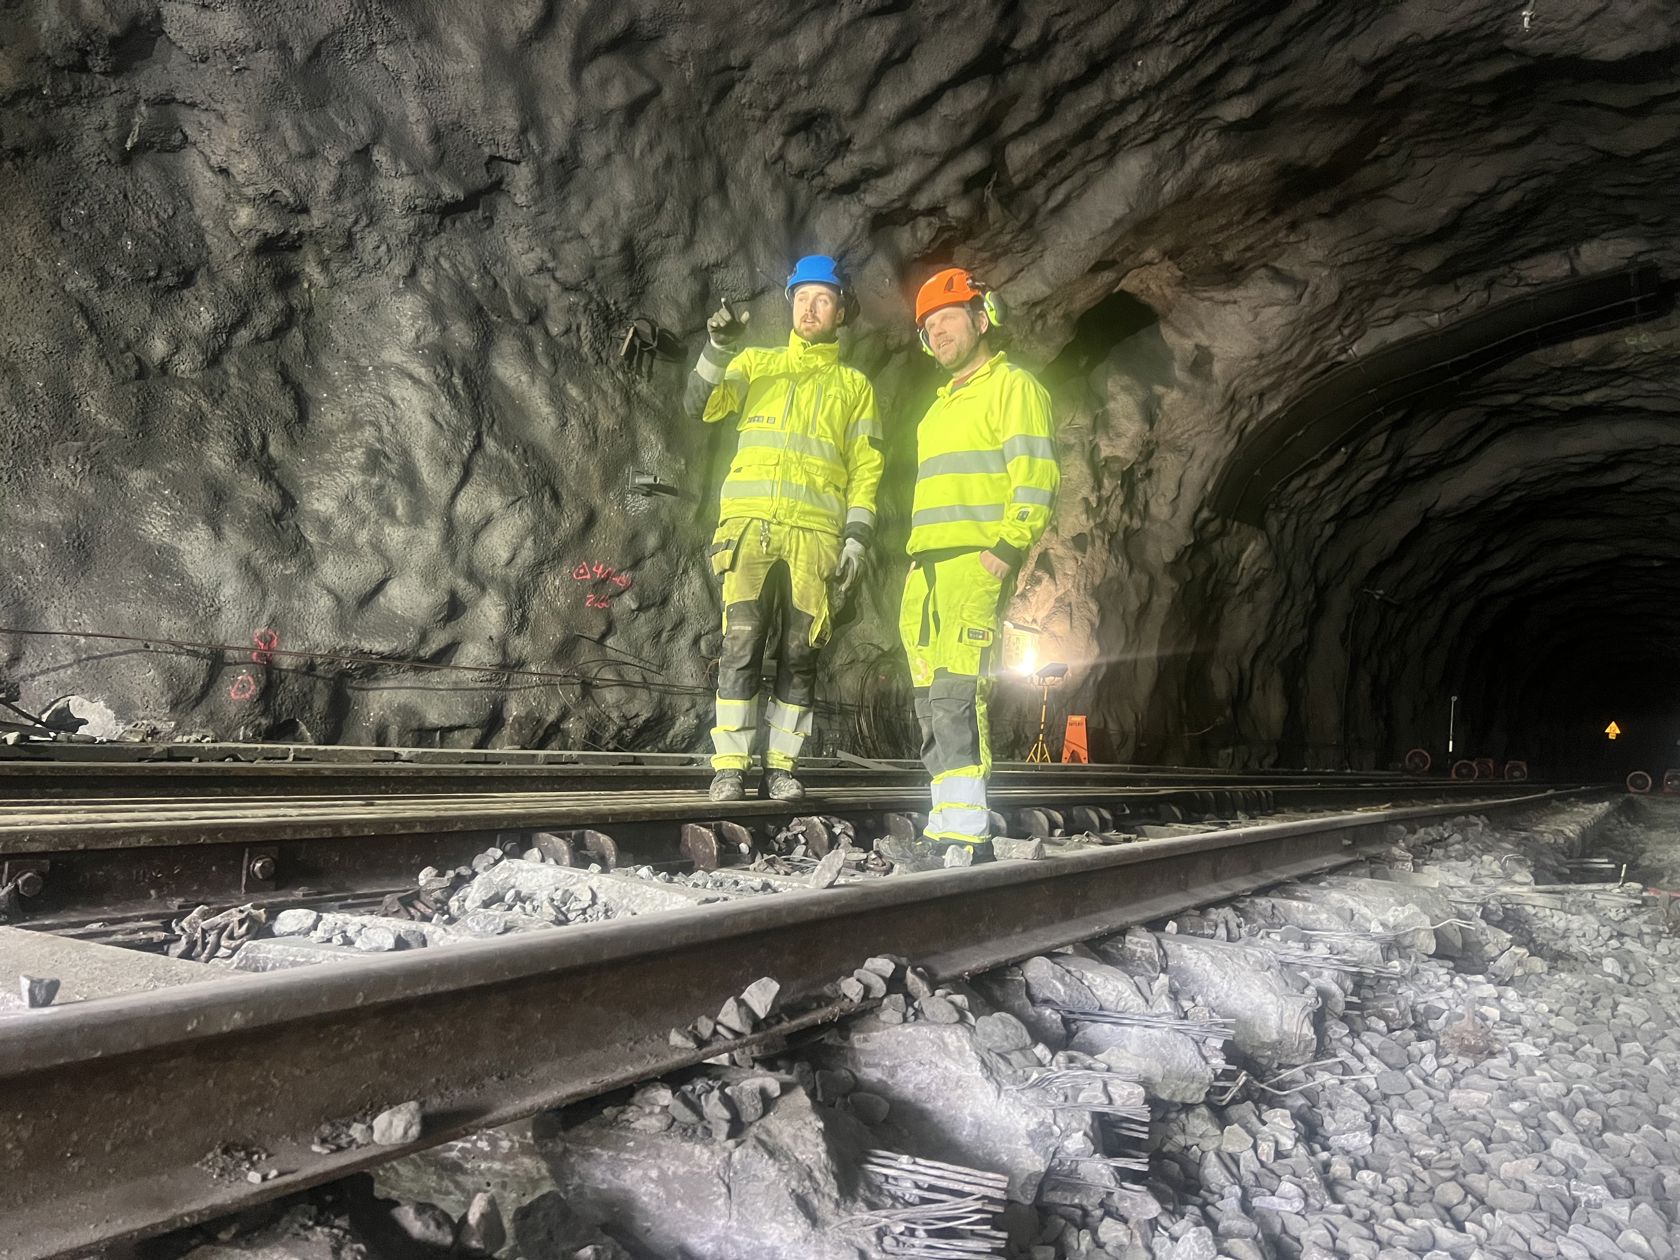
(606, 581)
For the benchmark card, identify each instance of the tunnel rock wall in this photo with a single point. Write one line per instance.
(314, 316)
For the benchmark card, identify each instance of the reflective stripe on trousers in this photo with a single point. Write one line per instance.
(959, 807)
(732, 737)
(789, 728)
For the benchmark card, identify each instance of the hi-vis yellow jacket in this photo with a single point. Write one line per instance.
(986, 473)
(809, 452)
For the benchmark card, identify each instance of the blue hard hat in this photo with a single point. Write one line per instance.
(815, 269)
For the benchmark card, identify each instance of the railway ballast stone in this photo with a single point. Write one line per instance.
(827, 871)
(302, 1232)
(1423, 915)
(1001, 1032)
(481, 1231)
(1013, 850)
(762, 997)
(949, 1100)
(778, 1190)
(506, 1162)
(1111, 986)
(1172, 1066)
(399, 1125)
(548, 1228)
(284, 953)
(295, 922)
(1050, 984)
(1451, 1114)
(368, 932)
(518, 880)
(1272, 1009)
(425, 1224)
(1447, 1112)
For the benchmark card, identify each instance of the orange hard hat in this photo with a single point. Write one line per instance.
(951, 287)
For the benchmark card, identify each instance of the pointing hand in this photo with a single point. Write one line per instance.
(727, 329)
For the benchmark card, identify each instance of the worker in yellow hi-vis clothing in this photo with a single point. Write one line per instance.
(795, 520)
(986, 480)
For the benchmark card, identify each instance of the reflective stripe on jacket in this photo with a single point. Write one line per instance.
(986, 473)
(809, 451)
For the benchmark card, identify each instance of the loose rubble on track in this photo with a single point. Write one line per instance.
(1464, 1051)
(503, 892)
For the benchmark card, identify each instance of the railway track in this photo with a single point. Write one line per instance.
(111, 1105)
(51, 769)
(140, 830)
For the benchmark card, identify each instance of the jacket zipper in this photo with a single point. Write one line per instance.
(781, 466)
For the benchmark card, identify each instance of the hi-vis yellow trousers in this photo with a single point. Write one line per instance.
(950, 621)
(775, 580)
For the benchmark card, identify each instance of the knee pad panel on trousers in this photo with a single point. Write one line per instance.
(924, 722)
(958, 730)
(796, 672)
(741, 656)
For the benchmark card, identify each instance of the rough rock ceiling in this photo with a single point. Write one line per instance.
(312, 319)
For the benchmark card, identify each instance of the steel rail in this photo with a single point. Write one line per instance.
(107, 1106)
(187, 755)
(50, 770)
(31, 780)
(36, 827)
(23, 767)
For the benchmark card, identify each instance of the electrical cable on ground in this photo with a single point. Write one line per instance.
(585, 678)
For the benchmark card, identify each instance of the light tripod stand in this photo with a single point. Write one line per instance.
(1049, 676)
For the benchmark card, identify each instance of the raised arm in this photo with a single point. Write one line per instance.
(718, 385)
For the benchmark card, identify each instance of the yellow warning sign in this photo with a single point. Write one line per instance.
(1612, 730)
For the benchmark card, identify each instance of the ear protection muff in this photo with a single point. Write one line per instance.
(988, 302)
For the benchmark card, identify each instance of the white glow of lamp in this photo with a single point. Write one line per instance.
(1020, 648)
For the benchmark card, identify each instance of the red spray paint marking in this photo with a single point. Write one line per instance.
(267, 643)
(598, 572)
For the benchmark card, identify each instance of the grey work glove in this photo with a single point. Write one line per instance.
(847, 570)
(727, 330)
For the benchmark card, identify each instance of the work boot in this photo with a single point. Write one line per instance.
(727, 786)
(779, 785)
